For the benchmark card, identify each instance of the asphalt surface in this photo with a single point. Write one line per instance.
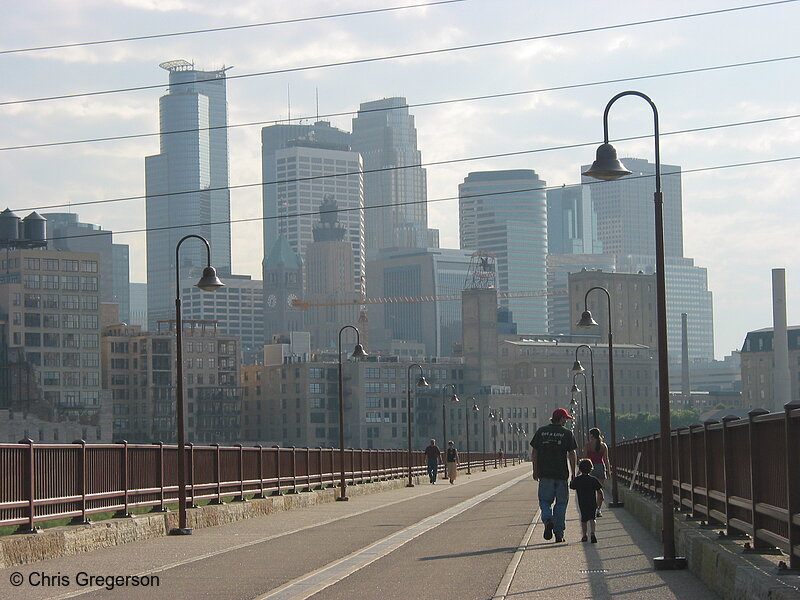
(477, 539)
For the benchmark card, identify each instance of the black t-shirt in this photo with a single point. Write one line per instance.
(552, 442)
(452, 455)
(586, 487)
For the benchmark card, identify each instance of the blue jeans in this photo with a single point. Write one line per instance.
(433, 467)
(551, 490)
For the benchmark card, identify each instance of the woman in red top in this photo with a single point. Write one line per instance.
(596, 450)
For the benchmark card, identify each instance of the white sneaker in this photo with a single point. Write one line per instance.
(599, 513)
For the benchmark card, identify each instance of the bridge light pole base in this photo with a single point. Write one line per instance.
(181, 531)
(676, 563)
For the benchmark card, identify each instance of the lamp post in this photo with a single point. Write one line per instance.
(607, 167)
(493, 417)
(584, 406)
(208, 282)
(578, 368)
(505, 444)
(483, 436)
(588, 321)
(474, 409)
(421, 382)
(453, 398)
(358, 352)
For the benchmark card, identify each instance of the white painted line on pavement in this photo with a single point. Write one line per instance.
(261, 540)
(505, 583)
(316, 581)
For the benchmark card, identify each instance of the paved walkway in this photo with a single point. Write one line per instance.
(479, 539)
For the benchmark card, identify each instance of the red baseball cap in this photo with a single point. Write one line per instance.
(560, 413)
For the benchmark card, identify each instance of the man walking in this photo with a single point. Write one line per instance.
(432, 454)
(553, 447)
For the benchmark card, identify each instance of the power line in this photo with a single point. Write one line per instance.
(416, 105)
(436, 200)
(229, 28)
(404, 55)
(403, 167)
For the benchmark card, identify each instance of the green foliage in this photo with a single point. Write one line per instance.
(632, 425)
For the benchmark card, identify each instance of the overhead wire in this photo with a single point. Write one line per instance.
(229, 27)
(413, 105)
(436, 200)
(403, 167)
(374, 59)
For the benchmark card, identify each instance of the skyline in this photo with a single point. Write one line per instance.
(737, 221)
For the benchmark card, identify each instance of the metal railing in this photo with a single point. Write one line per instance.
(741, 475)
(44, 482)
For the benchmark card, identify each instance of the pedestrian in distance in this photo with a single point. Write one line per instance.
(553, 459)
(590, 497)
(596, 450)
(433, 456)
(452, 461)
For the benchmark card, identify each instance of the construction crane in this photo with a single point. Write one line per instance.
(303, 305)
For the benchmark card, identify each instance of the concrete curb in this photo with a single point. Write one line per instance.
(74, 539)
(719, 563)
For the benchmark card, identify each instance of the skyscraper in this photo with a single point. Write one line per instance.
(626, 228)
(309, 172)
(187, 182)
(385, 135)
(274, 138)
(505, 213)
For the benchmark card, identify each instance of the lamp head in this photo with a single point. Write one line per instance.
(359, 352)
(422, 382)
(573, 402)
(475, 408)
(454, 398)
(209, 281)
(577, 367)
(606, 165)
(587, 320)
(575, 389)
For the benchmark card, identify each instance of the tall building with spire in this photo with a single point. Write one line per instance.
(395, 185)
(186, 183)
(283, 284)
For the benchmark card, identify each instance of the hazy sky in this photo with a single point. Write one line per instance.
(739, 222)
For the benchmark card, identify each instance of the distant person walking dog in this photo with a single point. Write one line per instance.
(433, 455)
(553, 458)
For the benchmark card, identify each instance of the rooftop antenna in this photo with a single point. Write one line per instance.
(289, 101)
(316, 90)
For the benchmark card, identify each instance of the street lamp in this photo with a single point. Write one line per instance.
(474, 409)
(584, 407)
(421, 382)
(453, 398)
(208, 283)
(358, 352)
(588, 321)
(493, 416)
(505, 444)
(607, 167)
(578, 368)
(483, 435)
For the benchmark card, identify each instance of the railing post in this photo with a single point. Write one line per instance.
(217, 475)
(240, 497)
(190, 501)
(755, 483)
(124, 512)
(162, 505)
(792, 487)
(692, 476)
(679, 468)
(277, 470)
(260, 494)
(81, 520)
(727, 472)
(707, 466)
(30, 488)
(294, 469)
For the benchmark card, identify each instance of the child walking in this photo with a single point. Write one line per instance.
(590, 496)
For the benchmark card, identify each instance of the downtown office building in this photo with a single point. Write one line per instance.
(187, 182)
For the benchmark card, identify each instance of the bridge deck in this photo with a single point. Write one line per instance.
(477, 539)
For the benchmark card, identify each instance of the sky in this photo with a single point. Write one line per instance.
(739, 222)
